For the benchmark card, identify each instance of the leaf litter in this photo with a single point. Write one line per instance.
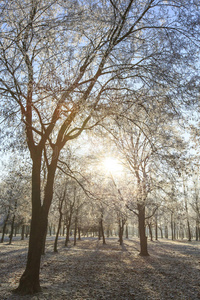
(91, 270)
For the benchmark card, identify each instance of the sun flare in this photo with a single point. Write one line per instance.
(112, 165)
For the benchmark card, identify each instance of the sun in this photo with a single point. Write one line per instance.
(112, 165)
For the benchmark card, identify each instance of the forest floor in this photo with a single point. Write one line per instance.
(90, 270)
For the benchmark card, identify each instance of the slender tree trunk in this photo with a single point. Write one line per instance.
(189, 231)
(57, 233)
(108, 233)
(120, 235)
(69, 225)
(50, 230)
(161, 232)
(63, 231)
(27, 230)
(79, 233)
(174, 230)
(126, 231)
(121, 231)
(143, 238)
(61, 201)
(156, 229)
(67, 233)
(12, 229)
(99, 233)
(172, 226)
(75, 230)
(23, 231)
(150, 231)
(187, 213)
(4, 226)
(102, 229)
(166, 232)
(12, 224)
(197, 230)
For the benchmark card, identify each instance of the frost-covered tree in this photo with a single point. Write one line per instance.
(65, 65)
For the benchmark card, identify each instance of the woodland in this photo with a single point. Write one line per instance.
(100, 133)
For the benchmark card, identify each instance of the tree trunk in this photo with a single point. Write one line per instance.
(29, 281)
(126, 231)
(121, 230)
(102, 229)
(67, 233)
(108, 233)
(161, 232)
(189, 231)
(143, 238)
(69, 225)
(99, 233)
(75, 230)
(79, 233)
(12, 224)
(156, 229)
(172, 227)
(57, 233)
(27, 230)
(50, 230)
(166, 232)
(197, 230)
(63, 230)
(22, 233)
(4, 226)
(174, 230)
(150, 231)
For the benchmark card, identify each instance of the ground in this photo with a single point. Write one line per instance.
(91, 271)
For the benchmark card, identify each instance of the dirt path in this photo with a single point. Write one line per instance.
(92, 271)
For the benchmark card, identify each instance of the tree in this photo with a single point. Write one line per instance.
(61, 199)
(62, 66)
(196, 205)
(14, 198)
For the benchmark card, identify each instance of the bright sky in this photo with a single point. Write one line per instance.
(112, 165)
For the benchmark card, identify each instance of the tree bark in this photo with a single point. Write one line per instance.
(29, 281)
(143, 238)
